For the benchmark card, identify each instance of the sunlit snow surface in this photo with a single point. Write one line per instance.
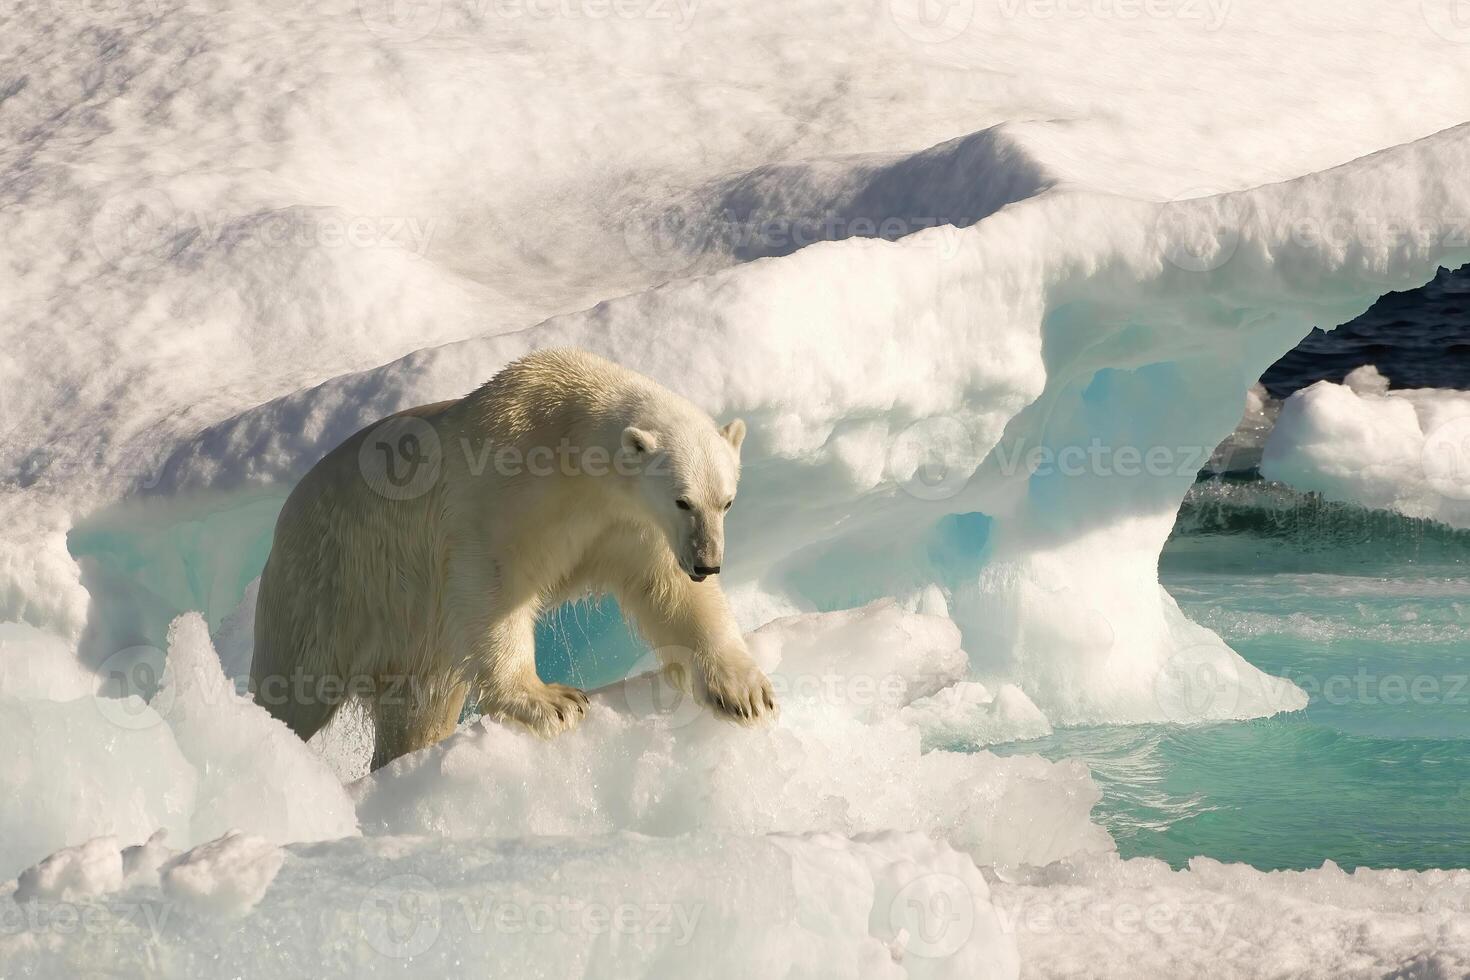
(912, 252)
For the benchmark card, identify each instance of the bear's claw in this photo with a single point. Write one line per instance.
(739, 692)
(547, 709)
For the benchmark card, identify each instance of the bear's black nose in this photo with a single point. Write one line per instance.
(706, 569)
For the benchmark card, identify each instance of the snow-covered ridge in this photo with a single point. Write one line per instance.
(486, 169)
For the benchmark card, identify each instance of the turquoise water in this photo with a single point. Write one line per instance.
(1370, 614)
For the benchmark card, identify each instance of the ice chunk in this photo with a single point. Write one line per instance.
(93, 868)
(1366, 380)
(840, 758)
(196, 760)
(867, 662)
(225, 877)
(967, 716)
(38, 665)
(74, 770)
(234, 639)
(255, 773)
(142, 862)
(1406, 450)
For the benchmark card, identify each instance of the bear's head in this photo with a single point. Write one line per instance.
(685, 481)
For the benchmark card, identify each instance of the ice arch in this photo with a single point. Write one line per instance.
(1061, 323)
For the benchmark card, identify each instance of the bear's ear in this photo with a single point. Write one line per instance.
(637, 440)
(734, 432)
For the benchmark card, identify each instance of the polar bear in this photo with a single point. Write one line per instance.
(409, 566)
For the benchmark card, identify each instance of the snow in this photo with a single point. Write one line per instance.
(225, 877)
(704, 905)
(988, 291)
(1106, 917)
(1406, 450)
(709, 904)
(721, 851)
(94, 868)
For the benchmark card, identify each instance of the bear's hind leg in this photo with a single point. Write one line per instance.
(414, 718)
(290, 694)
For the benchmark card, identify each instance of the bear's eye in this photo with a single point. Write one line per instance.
(730, 503)
(683, 504)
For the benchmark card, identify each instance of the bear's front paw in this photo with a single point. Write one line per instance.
(546, 709)
(737, 689)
